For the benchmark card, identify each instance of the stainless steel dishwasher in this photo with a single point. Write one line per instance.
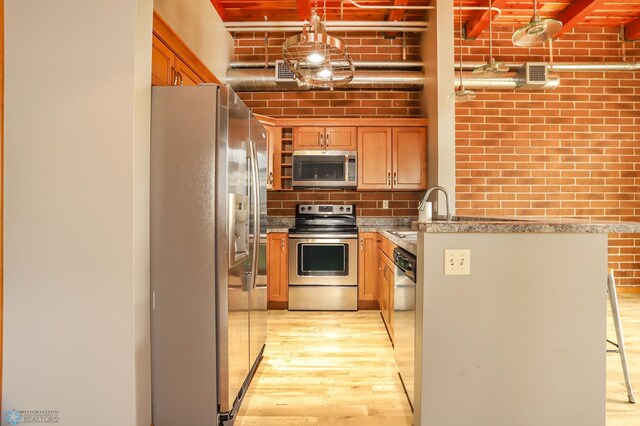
(404, 317)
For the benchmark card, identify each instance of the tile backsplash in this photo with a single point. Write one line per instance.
(369, 203)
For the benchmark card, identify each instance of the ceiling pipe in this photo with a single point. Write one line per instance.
(264, 80)
(351, 26)
(391, 7)
(567, 66)
(357, 64)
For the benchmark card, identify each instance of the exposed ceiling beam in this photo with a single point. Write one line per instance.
(397, 14)
(576, 12)
(632, 30)
(304, 9)
(480, 20)
(219, 9)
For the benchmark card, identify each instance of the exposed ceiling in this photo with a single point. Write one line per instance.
(590, 13)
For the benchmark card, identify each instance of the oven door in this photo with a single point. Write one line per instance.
(323, 261)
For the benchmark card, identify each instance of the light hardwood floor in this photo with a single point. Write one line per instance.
(323, 368)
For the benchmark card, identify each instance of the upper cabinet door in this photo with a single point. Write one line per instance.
(308, 138)
(409, 158)
(186, 76)
(374, 158)
(161, 63)
(340, 138)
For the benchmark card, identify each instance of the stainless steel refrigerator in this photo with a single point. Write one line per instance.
(208, 269)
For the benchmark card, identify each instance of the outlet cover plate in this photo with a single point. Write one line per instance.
(457, 262)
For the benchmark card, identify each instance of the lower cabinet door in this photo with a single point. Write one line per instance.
(277, 267)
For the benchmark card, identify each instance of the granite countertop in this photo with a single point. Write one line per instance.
(535, 225)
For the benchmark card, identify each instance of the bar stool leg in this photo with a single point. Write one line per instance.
(613, 300)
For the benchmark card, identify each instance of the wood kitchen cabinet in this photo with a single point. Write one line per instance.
(368, 270)
(173, 63)
(325, 138)
(277, 270)
(386, 281)
(392, 158)
(167, 69)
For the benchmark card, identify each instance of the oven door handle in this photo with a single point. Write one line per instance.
(324, 237)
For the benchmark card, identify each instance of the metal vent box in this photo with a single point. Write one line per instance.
(283, 72)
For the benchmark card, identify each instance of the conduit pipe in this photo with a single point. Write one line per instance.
(264, 80)
(567, 66)
(351, 26)
(391, 7)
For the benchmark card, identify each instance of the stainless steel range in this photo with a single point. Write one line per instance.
(323, 258)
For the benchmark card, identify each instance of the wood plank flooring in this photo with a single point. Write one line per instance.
(337, 368)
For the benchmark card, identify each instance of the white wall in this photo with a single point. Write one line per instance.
(200, 27)
(519, 341)
(437, 55)
(76, 210)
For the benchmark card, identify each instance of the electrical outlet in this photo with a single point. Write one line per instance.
(385, 204)
(457, 262)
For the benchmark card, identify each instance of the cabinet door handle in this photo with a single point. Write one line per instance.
(320, 140)
(181, 80)
(174, 77)
(327, 138)
(361, 243)
(389, 178)
(270, 177)
(282, 244)
(379, 265)
(395, 178)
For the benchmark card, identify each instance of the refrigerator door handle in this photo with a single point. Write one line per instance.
(256, 214)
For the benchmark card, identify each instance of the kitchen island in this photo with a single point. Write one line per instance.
(520, 339)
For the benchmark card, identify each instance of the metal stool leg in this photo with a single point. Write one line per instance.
(613, 300)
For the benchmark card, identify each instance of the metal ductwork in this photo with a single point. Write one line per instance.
(264, 80)
(356, 64)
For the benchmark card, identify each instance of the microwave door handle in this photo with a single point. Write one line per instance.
(256, 214)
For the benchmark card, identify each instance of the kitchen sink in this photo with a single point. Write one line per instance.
(408, 235)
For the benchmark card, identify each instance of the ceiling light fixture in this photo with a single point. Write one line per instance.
(491, 67)
(315, 57)
(462, 94)
(537, 31)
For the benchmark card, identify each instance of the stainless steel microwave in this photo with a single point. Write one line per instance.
(324, 169)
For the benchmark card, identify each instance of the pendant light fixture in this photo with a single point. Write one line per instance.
(537, 31)
(491, 67)
(462, 94)
(315, 57)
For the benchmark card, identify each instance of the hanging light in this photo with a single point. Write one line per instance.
(315, 57)
(462, 94)
(537, 31)
(491, 67)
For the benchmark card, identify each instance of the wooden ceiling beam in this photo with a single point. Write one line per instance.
(480, 19)
(397, 14)
(576, 12)
(219, 9)
(632, 30)
(304, 9)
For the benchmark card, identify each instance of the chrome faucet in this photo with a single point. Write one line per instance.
(446, 197)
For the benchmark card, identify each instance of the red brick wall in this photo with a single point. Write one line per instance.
(401, 204)
(324, 103)
(572, 151)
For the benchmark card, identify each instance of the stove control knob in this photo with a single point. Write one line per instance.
(341, 208)
(348, 209)
(302, 209)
